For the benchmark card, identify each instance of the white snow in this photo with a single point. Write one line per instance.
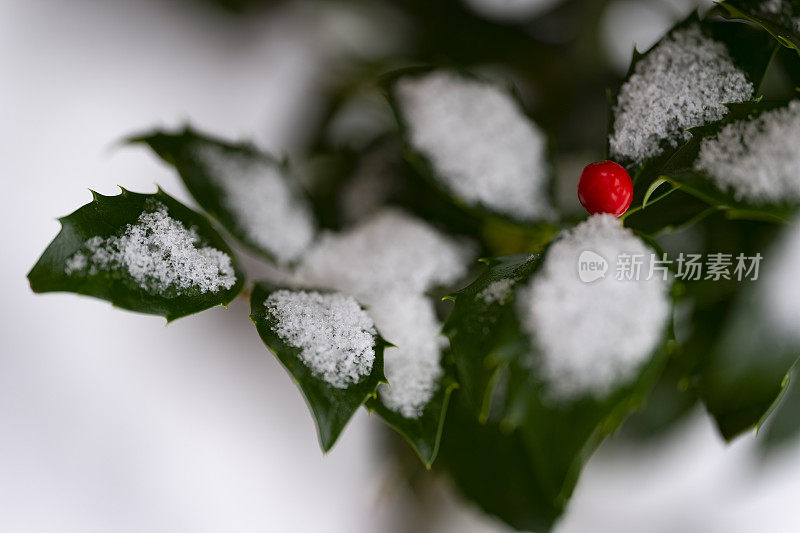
(682, 83)
(482, 147)
(265, 204)
(497, 291)
(388, 261)
(758, 159)
(387, 251)
(335, 335)
(592, 338)
(159, 253)
(409, 321)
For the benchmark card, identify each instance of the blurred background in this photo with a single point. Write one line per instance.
(111, 422)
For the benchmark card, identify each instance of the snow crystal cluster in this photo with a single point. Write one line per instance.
(592, 338)
(159, 253)
(387, 262)
(681, 83)
(265, 205)
(335, 335)
(758, 159)
(482, 147)
(497, 291)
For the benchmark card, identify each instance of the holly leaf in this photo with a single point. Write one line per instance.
(747, 369)
(423, 433)
(783, 425)
(503, 391)
(751, 52)
(424, 167)
(540, 460)
(784, 25)
(254, 196)
(107, 249)
(477, 455)
(331, 407)
(679, 172)
(561, 438)
(483, 328)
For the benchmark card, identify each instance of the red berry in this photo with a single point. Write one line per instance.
(605, 187)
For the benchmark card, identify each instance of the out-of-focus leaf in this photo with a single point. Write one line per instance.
(423, 166)
(423, 433)
(540, 460)
(494, 469)
(59, 267)
(331, 407)
(783, 425)
(746, 371)
(205, 164)
(739, 364)
(561, 438)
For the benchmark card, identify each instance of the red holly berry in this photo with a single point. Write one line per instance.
(605, 187)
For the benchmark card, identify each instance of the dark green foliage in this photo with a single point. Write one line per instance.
(504, 444)
(108, 216)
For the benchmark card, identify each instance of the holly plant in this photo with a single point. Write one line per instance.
(428, 266)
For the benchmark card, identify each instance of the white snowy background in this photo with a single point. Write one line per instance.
(111, 422)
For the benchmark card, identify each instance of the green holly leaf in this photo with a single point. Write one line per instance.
(423, 433)
(750, 50)
(680, 172)
(783, 425)
(783, 25)
(142, 252)
(561, 438)
(477, 455)
(483, 328)
(747, 369)
(254, 196)
(540, 460)
(332, 407)
(503, 391)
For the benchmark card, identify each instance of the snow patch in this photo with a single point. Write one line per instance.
(388, 261)
(592, 338)
(482, 147)
(335, 335)
(389, 250)
(497, 291)
(159, 253)
(265, 205)
(409, 322)
(758, 159)
(681, 83)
